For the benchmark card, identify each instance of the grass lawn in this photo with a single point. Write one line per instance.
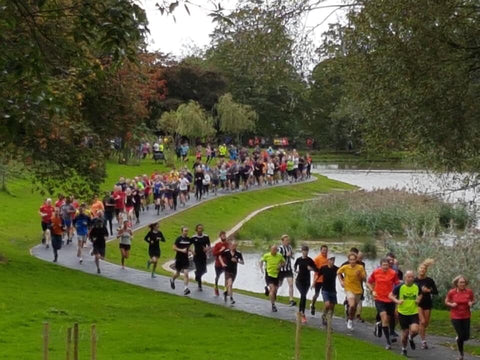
(132, 322)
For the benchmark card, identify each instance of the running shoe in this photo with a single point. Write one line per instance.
(349, 324)
(172, 284)
(80, 261)
(186, 291)
(232, 301)
(304, 319)
(292, 303)
(98, 271)
(388, 347)
(312, 310)
(404, 352)
(412, 343)
(424, 345)
(217, 293)
(153, 276)
(274, 308)
(267, 291)
(378, 329)
(359, 318)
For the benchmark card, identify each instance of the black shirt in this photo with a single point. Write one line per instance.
(200, 242)
(329, 277)
(301, 265)
(182, 243)
(153, 239)
(231, 265)
(426, 301)
(98, 235)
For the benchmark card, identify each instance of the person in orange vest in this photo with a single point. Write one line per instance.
(57, 230)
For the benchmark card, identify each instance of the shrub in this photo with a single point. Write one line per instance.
(369, 248)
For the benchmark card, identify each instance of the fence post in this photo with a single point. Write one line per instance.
(69, 344)
(328, 345)
(94, 342)
(297, 336)
(75, 341)
(45, 341)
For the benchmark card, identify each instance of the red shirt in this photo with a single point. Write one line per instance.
(119, 197)
(217, 250)
(384, 281)
(462, 298)
(59, 203)
(48, 211)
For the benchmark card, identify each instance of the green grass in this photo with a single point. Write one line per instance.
(132, 322)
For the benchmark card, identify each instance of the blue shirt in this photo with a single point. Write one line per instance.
(82, 222)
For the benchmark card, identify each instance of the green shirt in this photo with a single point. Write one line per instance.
(272, 263)
(409, 295)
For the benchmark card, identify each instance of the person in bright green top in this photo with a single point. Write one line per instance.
(273, 262)
(407, 296)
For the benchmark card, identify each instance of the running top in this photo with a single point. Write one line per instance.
(81, 222)
(231, 266)
(384, 282)
(283, 250)
(320, 261)
(47, 210)
(353, 278)
(217, 250)
(57, 225)
(182, 243)
(153, 239)
(426, 301)
(98, 236)
(462, 310)
(273, 263)
(183, 185)
(125, 237)
(200, 242)
(302, 266)
(329, 275)
(409, 296)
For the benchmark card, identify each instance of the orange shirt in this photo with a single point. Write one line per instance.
(96, 207)
(57, 225)
(384, 281)
(320, 261)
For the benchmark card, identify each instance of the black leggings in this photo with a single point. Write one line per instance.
(198, 190)
(303, 289)
(462, 328)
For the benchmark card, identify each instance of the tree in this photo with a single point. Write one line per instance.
(234, 118)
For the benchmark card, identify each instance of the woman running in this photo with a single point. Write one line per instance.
(98, 235)
(125, 235)
(57, 231)
(153, 238)
(428, 288)
(303, 265)
(230, 260)
(460, 299)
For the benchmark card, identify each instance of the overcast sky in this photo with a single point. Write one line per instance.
(169, 36)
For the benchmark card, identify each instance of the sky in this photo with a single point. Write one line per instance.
(175, 37)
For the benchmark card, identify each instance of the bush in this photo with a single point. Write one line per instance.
(369, 248)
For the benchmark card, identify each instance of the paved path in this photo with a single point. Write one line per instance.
(67, 258)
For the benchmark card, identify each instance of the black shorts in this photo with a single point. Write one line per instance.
(182, 264)
(124, 246)
(99, 251)
(46, 226)
(318, 287)
(406, 320)
(285, 274)
(271, 280)
(154, 253)
(229, 275)
(118, 211)
(388, 307)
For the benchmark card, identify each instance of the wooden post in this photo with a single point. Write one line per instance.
(75, 341)
(45, 341)
(328, 344)
(297, 336)
(94, 342)
(69, 344)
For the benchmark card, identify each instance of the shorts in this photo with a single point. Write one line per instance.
(129, 208)
(406, 320)
(184, 192)
(388, 307)
(46, 226)
(318, 287)
(168, 195)
(285, 274)
(154, 253)
(351, 295)
(67, 222)
(271, 280)
(99, 251)
(182, 264)
(329, 296)
(229, 275)
(82, 238)
(125, 247)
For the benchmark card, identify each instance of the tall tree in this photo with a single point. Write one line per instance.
(234, 118)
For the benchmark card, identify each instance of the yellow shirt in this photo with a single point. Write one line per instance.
(353, 281)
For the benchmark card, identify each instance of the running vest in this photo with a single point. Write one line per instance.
(409, 295)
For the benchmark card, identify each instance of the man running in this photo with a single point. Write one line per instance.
(82, 224)
(320, 261)
(218, 249)
(67, 211)
(381, 283)
(407, 296)
(273, 262)
(46, 211)
(57, 233)
(286, 270)
(352, 279)
(181, 248)
(98, 235)
(329, 291)
(230, 259)
(201, 246)
(303, 266)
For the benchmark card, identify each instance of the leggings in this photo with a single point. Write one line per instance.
(198, 190)
(303, 289)
(462, 328)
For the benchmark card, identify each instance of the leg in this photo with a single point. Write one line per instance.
(185, 278)
(352, 304)
(385, 319)
(272, 293)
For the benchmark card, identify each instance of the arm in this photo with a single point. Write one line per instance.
(240, 260)
(449, 301)
(147, 237)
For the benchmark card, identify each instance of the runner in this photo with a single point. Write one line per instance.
(320, 261)
(460, 299)
(153, 238)
(201, 247)
(46, 211)
(57, 230)
(82, 224)
(352, 279)
(67, 211)
(181, 247)
(286, 270)
(230, 259)
(119, 197)
(329, 291)
(109, 205)
(428, 288)
(273, 262)
(218, 249)
(125, 235)
(183, 187)
(381, 283)
(303, 266)
(199, 176)
(98, 235)
(407, 296)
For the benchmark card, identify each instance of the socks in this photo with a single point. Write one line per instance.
(460, 346)
(386, 332)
